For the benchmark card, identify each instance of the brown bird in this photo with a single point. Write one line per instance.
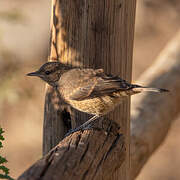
(88, 90)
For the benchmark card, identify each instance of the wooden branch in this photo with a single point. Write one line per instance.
(89, 155)
(153, 114)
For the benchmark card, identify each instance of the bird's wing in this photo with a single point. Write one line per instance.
(79, 84)
(107, 84)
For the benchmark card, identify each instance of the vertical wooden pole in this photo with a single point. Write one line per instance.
(97, 34)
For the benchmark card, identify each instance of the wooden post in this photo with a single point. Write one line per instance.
(96, 34)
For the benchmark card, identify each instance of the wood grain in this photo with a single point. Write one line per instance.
(97, 34)
(94, 154)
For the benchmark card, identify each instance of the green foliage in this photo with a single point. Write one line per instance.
(4, 171)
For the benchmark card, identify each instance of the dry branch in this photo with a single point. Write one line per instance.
(153, 114)
(88, 155)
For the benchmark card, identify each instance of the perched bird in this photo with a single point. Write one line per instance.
(88, 90)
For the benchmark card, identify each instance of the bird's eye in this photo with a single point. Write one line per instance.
(47, 72)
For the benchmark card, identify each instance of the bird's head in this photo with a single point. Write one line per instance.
(50, 72)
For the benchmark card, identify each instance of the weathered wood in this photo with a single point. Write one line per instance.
(90, 33)
(88, 155)
(152, 114)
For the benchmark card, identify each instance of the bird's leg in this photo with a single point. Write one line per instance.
(83, 126)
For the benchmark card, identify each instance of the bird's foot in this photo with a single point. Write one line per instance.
(82, 129)
(88, 125)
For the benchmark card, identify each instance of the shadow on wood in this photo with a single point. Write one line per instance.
(91, 154)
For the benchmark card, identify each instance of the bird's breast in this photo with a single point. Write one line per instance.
(99, 105)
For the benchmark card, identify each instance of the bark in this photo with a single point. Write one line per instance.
(152, 115)
(96, 34)
(83, 155)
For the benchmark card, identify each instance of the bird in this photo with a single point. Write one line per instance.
(89, 90)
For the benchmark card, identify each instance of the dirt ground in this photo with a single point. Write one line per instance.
(24, 38)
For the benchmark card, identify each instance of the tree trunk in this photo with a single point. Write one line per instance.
(96, 34)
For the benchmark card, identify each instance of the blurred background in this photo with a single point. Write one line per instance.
(24, 40)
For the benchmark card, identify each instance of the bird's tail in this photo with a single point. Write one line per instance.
(138, 88)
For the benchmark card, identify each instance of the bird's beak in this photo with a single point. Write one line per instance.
(36, 73)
